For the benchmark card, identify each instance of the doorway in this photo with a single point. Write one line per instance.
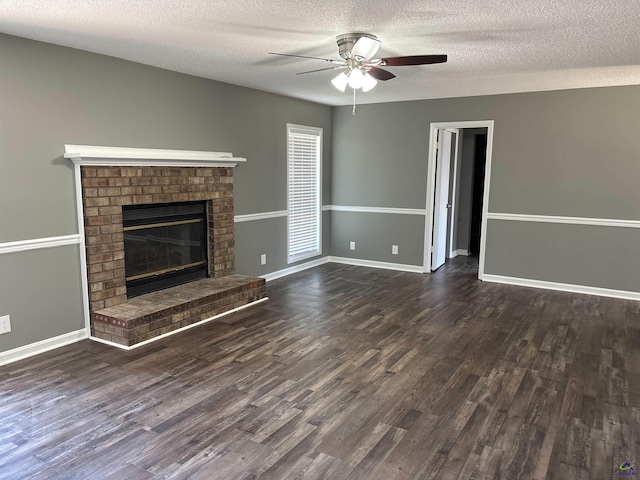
(479, 155)
(457, 191)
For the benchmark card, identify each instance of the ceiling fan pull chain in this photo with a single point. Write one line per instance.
(354, 102)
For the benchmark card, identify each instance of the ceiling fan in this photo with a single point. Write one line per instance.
(359, 67)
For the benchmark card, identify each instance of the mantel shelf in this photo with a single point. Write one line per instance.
(123, 156)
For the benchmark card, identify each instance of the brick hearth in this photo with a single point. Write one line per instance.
(147, 316)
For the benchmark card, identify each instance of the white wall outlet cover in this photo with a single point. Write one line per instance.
(263, 259)
(394, 249)
(5, 324)
(352, 245)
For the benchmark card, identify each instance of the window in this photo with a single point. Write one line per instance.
(304, 158)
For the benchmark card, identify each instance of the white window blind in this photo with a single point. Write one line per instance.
(304, 157)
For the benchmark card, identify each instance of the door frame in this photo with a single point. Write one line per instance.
(431, 180)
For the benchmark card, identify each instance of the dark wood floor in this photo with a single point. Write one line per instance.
(345, 373)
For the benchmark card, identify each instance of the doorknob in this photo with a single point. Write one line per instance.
(448, 205)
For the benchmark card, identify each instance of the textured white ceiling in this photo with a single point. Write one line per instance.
(494, 46)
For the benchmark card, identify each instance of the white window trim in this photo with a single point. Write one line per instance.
(315, 131)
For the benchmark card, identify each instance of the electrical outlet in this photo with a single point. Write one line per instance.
(5, 324)
(352, 245)
(394, 249)
(263, 259)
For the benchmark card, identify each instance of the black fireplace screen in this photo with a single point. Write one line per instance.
(164, 245)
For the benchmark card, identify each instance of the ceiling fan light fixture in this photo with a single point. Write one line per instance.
(356, 78)
(341, 81)
(365, 48)
(368, 82)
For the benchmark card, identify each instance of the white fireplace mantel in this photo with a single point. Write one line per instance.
(147, 157)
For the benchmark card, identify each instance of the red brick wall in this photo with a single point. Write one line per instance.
(106, 189)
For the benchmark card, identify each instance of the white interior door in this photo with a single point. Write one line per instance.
(441, 199)
(453, 193)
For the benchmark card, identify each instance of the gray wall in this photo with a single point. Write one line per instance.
(565, 153)
(252, 242)
(594, 256)
(52, 95)
(41, 290)
(374, 243)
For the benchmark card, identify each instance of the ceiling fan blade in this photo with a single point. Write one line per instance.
(322, 70)
(365, 48)
(340, 62)
(413, 60)
(380, 74)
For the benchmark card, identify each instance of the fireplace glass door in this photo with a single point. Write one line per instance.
(164, 244)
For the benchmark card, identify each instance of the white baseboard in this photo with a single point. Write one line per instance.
(42, 346)
(155, 339)
(374, 264)
(344, 261)
(562, 287)
(295, 269)
(463, 252)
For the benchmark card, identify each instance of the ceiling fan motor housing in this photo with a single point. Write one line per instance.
(346, 41)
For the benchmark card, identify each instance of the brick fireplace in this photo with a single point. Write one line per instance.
(108, 178)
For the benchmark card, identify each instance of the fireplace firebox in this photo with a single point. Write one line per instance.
(165, 245)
